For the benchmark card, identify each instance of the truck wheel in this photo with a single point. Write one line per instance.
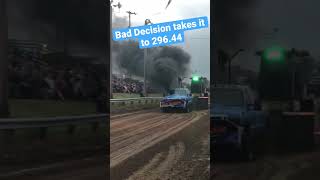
(164, 110)
(248, 153)
(187, 109)
(190, 108)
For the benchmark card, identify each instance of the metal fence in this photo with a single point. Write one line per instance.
(9, 126)
(12, 124)
(132, 101)
(22, 123)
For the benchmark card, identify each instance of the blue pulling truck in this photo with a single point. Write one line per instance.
(179, 99)
(237, 124)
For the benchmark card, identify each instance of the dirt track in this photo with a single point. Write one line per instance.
(271, 167)
(271, 164)
(158, 145)
(82, 169)
(146, 145)
(132, 134)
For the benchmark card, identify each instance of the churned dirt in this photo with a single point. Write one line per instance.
(157, 145)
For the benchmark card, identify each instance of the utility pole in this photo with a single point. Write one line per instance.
(145, 53)
(144, 72)
(293, 76)
(4, 105)
(129, 12)
(229, 63)
(229, 71)
(201, 86)
(110, 55)
(180, 82)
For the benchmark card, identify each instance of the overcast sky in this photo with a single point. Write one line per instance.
(297, 21)
(197, 42)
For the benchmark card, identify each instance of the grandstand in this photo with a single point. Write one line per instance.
(131, 86)
(35, 72)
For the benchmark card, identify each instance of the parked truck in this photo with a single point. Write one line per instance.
(237, 123)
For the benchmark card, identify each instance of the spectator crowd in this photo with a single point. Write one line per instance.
(122, 84)
(31, 79)
(126, 85)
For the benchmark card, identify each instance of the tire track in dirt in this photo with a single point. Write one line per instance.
(147, 140)
(150, 124)
(131, 135)
(137, 122)
(121, 115)
(146, 132)
(121, 119)
(135, 128)
(271, 167)
(180, 160)
(147, 169)
(156, 169)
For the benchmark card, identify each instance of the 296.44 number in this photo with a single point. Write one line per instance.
(164, 39)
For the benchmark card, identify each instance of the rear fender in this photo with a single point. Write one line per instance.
(238, 129)
(256, 119)
(240, 134)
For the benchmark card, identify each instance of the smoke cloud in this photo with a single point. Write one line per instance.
(234, 28)
(164, 64)
(119, 22)
(234, 23)
(168, 64)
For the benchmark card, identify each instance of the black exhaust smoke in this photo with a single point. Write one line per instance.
(233, 23)
(234, 28)
(167, 65)
(164, 64)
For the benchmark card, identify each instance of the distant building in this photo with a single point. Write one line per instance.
(313, 86)
(239, 75)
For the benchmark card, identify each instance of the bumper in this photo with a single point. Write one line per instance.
(225, 143)
(225, 151)
(173, 106)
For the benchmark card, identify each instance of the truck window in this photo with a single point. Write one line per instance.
(181, 92)
(228, 97)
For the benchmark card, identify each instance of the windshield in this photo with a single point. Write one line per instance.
(227, 97)
(180, 92)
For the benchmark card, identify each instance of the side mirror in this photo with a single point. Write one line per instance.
(190, 95)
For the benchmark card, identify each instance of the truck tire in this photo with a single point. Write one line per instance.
(187, 109)
(164, 110)
(247, 148)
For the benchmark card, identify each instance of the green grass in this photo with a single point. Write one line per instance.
(26, 108)
(126, 95)
(116, 108)
(155, 95)
(133, 107)
(23, 108)
(57, 143)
